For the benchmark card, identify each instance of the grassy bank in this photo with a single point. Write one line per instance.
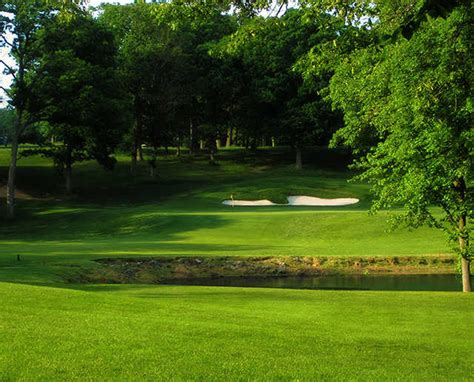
(155, 270)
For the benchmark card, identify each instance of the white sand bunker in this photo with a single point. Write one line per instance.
(294, 201)
(263, 202)
(312, 201)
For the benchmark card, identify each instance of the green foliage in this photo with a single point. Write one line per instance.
(407, 106)
(7, 122)
(165, 64)
(77, 92)
(286, 106)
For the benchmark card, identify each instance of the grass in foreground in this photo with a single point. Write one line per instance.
(201, 333)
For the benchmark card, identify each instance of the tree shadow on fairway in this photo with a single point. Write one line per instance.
(71, 224)
(38, 179)
(92, 184)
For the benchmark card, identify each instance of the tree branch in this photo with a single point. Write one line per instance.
(9, 68)
(7, 91)
(30, 122)
(8, 43)
(281, 7)
(23, 128)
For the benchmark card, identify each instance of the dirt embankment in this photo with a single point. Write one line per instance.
(158, 269)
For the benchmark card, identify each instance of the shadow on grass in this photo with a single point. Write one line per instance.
(92, 224)
(176, 176)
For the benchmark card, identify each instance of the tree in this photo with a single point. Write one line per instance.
(166, 66)
(77, 92)
(22, 19)
(140, 38)
(277, 98)
(408, 110)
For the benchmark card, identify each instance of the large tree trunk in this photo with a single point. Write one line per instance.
(466, 275)
(254, 144)
(233, 140)
(465, 262)
(228, 141)
(12, 175)
(193, 143)
(68, 176)
(19, 125)
(191, 136)
(460, 185)
(153, 162)
(212, 146)
(134, 153)
(68, 170)
(178, 147)
(299, 161)
(137, 153)
(133, 163)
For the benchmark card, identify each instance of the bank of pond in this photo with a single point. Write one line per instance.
(410, 273)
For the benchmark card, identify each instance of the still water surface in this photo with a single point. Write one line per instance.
(344, 282)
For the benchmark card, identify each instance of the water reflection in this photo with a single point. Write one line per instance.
(343, 282)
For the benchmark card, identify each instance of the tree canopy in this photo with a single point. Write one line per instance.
(408, 109)
(77, 92)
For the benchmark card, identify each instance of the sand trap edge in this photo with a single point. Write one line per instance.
(300, 200)
(249, 203)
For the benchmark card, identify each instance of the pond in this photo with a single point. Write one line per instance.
(338, 282)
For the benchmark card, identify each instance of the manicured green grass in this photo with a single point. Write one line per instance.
(199, 333)
(180, 213)
(54, 331)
